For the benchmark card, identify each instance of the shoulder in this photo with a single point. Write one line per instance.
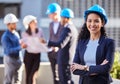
(24, 34)
(5, 34)
(83, 42)
(51, 23)
(72, 27)
(40, 30)
(109, 40)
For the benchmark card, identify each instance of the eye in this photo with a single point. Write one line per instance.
(89, 20)
(97, 21)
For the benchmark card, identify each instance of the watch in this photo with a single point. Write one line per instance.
(86, 68)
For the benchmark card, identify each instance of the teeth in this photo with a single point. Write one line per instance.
(92, 28)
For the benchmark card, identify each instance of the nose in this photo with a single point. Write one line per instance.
(92, 23)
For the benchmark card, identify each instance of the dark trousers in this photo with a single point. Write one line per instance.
(31, 62)
(53, 60)
(64, 74)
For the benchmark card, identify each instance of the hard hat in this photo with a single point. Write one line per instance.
(27, 19)
(66, 12)
(52, 8)
(96, 9)
(10, 18)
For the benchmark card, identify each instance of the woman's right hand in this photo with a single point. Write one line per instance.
(104, 62)
(23, 45)
(42, 40)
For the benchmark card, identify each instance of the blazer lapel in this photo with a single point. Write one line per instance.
(83, 49)
(98, 52)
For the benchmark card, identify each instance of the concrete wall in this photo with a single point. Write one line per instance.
(44, 74)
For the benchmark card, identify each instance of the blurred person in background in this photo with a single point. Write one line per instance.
(67, 44)
(95, 51)
(12, 46)
(31, 58)
(55, 28)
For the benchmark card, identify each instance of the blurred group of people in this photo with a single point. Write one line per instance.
(89, 53)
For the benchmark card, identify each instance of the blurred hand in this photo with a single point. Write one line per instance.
(104, 62)
(55, 49)
(42, 40)
(75, 66)
(23, 45)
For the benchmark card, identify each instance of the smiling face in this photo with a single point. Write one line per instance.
(11, 26)
(54, 16)
(33, 24)
(94, 23)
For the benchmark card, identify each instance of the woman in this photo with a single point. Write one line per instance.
(31, 58)
(95, 51)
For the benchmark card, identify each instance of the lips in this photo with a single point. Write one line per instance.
(92, 28)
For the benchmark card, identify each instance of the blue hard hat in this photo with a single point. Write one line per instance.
(52, 8)
(66, 12)
(96, 9)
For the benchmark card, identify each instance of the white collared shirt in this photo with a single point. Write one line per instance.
(55, 27)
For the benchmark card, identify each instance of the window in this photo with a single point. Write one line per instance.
(9, 8)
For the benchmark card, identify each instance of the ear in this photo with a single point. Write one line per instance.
(103, 23)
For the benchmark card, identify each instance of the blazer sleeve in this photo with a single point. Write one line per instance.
(77, 60)
(63, 40)
(100, 69)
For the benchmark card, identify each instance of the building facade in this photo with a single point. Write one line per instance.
(38, 8)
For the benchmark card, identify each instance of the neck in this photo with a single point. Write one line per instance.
(95, 36)
(57, 19)
(33, 29)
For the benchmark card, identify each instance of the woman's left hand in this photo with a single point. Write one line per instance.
(42, 40)
(75, 66)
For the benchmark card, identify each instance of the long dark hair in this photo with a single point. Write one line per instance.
(30, 32)
(85, 34)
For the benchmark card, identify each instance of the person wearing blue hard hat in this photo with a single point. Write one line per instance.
(52, 8)
(95, 51)
(68, 13)
(55, 28)
(67, 44)
(97, 9)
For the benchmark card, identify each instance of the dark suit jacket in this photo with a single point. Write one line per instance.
(105, 50)
(66, 43)
(54, 37)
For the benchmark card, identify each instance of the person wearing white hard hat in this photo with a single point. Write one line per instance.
(11, 46)
(31, 58)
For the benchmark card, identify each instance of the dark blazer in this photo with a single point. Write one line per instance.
(66, 43)
(105, 50)
(54, 37)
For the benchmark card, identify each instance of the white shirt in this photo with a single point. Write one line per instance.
(90, 53)
(55, 27)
